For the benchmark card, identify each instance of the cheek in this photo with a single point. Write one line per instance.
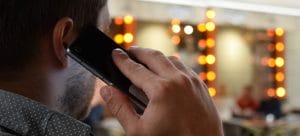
(104, 19)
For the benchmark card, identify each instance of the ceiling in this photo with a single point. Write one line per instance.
(284, 3)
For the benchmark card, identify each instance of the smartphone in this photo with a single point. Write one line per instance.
(93, 50)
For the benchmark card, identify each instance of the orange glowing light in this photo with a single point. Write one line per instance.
(279, 77)
(175, 21)
(279, 31)
(128, 38)
(271, 92)
(176, 39)
(210, 26)
(119, 21)
(128, 19)
(279, 62)
(280, 47)
(280, 92)
(211, 76)
(202, 44)
(202, 60)
(210, 59)
(270, 32)
(119, 39)
(212, 91)
(202, 76)
(211, 14)
(271, 62)
(201, 27)
(210, 43)
(176, 28)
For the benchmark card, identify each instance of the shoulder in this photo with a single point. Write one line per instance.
(6, 132)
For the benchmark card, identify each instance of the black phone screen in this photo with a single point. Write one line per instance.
(93, 49)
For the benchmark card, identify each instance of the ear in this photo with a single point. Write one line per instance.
(63, 35)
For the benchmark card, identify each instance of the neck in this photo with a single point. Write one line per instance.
(33, 85)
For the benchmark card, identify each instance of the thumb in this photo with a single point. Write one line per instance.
(120, 106)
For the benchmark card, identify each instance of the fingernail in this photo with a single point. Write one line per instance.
(105, 93)
(119, 52)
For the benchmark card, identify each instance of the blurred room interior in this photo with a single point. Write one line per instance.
(247, 51)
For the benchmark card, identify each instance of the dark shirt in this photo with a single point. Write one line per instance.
(20, 116)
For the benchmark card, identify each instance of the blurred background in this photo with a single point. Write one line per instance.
(246, 51)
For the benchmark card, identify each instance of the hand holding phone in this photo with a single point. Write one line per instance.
(93, 50)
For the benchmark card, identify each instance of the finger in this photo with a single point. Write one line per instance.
(120, 106)
(154, 60)
(179, 65)
(138, 74)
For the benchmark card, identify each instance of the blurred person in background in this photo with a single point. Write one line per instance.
(44, 92)
(247, 102)
(270, 106)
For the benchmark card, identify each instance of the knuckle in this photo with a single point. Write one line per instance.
(114, 107)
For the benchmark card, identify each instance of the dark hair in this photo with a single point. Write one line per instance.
(24, 22)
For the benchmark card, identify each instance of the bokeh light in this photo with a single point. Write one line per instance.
(279, 77)
(128, 38)
(201, 27)
(279, 31)
(119, 20)
(176, 29)
(210, 26)
(128, 19)
(202, 44)
(210, 59)
(279, 47)
(202, 76)
(175, 21)
(211, 76)
(279, 62)
(280, 92)
(271, 92)
(210, 43)
(176, 39)
(119, 39)
(202, 59)
(211, 14)
(188, 30)
(271, 62)
(212, 91)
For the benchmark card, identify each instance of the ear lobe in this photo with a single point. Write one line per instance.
(63, 36)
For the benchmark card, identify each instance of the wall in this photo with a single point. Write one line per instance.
(234, 61)
(293, 68)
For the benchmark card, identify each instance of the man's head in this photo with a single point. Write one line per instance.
(33, 37)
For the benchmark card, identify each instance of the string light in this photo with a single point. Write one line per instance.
(211, 76)
(176, 39)
(188, 30)
(279, 77)
(175, 21)
(279, 46)
(210, 59)
(119, 20)
(203, 76)
(279, 31)
(280, 92)
(279, 62)
(119, 39)
(202, 60)
(210, 26)
(210, 14)
(201, 27)
(210, 43)
(128, 38)
(271, 62)
(176, 28)
(128, 19)
(212, 91)
(202, 44)
(271, 92)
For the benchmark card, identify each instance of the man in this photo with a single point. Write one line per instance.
(41, 86)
